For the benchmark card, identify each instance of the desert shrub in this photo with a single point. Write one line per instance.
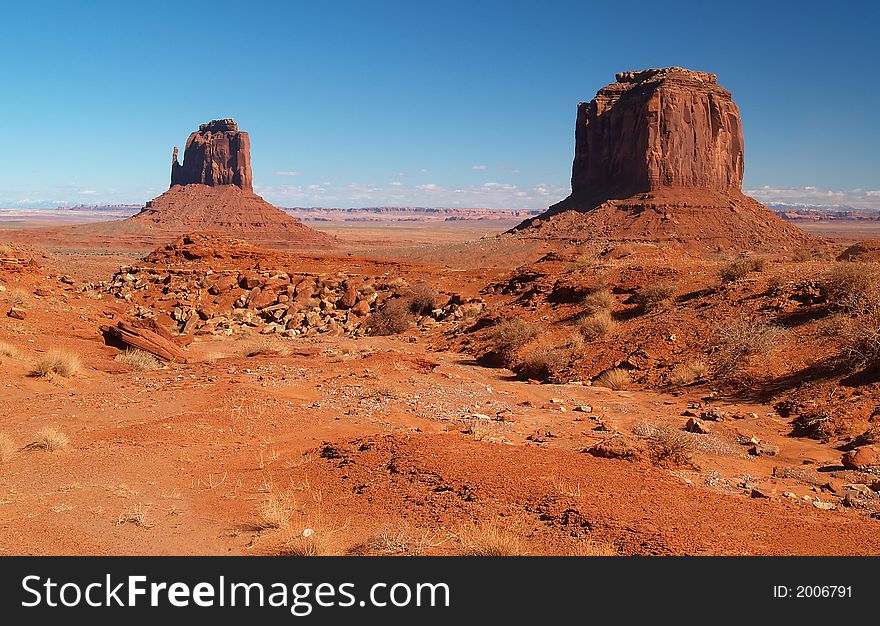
(615, 378)
(391, 318)
(511, 335)
(57, 361)
(861, 342)
(138, 360)
(595, 325)
(672, 444)
(544, 362)
(396, 284)
(16, 297)
(315, 536)
(743, 339)
(598, 299)
(50, 439)
(7, 447)
(739, 268)
(422, 298)
(471, 309)
(652, 296)
(688, 373)
(801, 255)
(490, 538)
(851, 286)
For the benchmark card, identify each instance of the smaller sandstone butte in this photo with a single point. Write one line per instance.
(659, 157)
(216, 154)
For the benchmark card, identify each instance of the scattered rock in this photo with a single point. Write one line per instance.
(17, 313)
(695, 425)
(762, 448)
(859, 458)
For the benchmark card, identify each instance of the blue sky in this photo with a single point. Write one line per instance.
(417, 103)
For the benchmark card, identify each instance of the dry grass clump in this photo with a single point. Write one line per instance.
(667, 444)
(399, 541)
(615, 378)
(50, 439)
(422, 298)
(274, 512)
(595, 325)
(314, 536)
(688, 373)
(852, 287)
(7, 350)
(652, 296)
(739, 268)
(16, 297)
(743, 339)
(392, 318)
(511, 335)
(138, 360)
(598, 299)
(490, 538)
(137, 516)
(7, 447)
(802, 255)
(59, 362)
(266, 346)
(544, 362)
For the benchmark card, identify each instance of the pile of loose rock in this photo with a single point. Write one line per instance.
(226, 302)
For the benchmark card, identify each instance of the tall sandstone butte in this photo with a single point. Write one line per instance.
(216, 154)
(212, 191)
(659, 156)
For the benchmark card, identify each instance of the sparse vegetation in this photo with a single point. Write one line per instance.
(511, 335)
(392, 318)
(314, 536)
(740, 268)
(136, 516)
(138, 360)
(802, 255)
(7, 447)
(544, 362)
(740, 340)
(852, 287)
(688, 373)
(615, 378)
(422, 298)
(666, 443)
(274, 512)
(7, 350)
(651, 297)
(598, 299)
(50, 439)
(59, 362)
(266, 346)
(17, 297)
(861, 342)
(595, 325)
(490, 538)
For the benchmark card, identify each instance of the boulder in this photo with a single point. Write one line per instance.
(859, 458)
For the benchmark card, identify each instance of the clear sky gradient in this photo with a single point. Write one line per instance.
(417, 103)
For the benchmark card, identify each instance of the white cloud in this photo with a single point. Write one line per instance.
(396, 183)
(478, 168)
(816, 196)
(429, 187)
(287, 173)
(424, 170)
(87, 192)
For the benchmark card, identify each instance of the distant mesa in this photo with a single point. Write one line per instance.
(659, 156)
(216, 154)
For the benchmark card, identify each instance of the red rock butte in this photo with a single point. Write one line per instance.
(659, 156)
(212, 191)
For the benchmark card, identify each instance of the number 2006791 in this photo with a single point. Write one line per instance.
(812, 591)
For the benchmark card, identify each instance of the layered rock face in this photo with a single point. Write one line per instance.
(658, 128)
(216, 154)
(659, 157)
